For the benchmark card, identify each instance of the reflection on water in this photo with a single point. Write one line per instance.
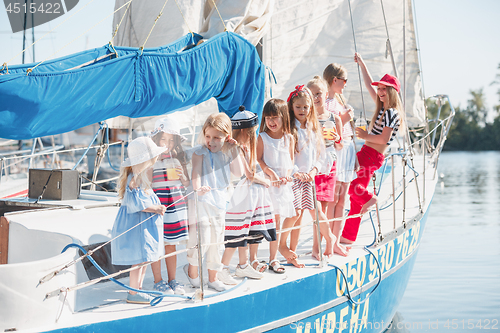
(454, 284)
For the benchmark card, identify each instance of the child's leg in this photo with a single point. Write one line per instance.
(243, 255)
(315, 248)
(273, 246)
(340, 196)
(216, 232)
(336, 227)
(142, 275)
(324, 229)
(171, 262)
(135, 279)
(283, 248)
(254, 248)
(295, 234)
(227, 255)
(156, 268)
(192, 254)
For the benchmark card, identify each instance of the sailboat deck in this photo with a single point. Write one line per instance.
(89, 220)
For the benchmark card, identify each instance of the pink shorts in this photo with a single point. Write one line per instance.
(325, 184)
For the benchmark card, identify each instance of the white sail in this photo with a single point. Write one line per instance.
(299, 39)
(305, 36)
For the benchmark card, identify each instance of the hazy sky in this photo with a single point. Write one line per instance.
(459, 42)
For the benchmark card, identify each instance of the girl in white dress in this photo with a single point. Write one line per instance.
(275, 156)
(310, 158)
(250, 211)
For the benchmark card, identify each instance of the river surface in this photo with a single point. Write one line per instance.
(455, 284)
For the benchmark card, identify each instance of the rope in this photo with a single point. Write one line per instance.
(356, 50)
(54, 273)
(29, 70)
(225, 28)
(154, 24)
(185, 21)
(5, 66)
(347, 286)
(119, 24)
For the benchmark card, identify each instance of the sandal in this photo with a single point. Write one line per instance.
(260, 265)
(277, 268)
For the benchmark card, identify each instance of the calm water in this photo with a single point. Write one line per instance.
(455, 285)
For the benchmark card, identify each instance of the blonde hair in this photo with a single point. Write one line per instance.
(142, 179)
(319, 82)
(394, 102)
(275, 107)
(252, 140)
(311, 118)
(332, 71)
(219, 121)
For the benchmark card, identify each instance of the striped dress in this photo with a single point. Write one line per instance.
(175, 219)
(306, 159)
(250, 213)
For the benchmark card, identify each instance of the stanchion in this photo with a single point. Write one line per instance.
(393, 194)
(380, 237)
(316, 222)
(198, 233)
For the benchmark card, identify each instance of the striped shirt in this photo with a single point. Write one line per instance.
(391, 119)
(334, 106)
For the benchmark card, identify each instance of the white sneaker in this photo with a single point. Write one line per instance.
(225, 277)
(163, 287)
(194, 282)
(249, 272)
(217, 285)
(177, 288)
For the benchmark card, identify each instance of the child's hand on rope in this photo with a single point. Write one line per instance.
(160, 209)
(203, 190)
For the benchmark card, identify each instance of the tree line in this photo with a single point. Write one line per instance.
(470, 129)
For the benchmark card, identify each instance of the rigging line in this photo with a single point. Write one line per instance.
(417, 35)
(95, 25)
(389, 46)
(120, 23)
(49, 32)
(356, 50)
(217, 9)
(184, 18)
(90, 252)
(154, 24)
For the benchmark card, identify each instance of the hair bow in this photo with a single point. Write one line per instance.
(295, 92)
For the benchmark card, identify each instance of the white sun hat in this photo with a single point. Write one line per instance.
(141, 150)
(167, 125)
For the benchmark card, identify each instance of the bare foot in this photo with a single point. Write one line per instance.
(368, 204)
(287, 253)
(329, 249)
(341, 249)
(295, 262)
(315, 255)
(345, 240)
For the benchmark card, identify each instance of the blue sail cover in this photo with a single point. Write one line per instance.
(55, 99)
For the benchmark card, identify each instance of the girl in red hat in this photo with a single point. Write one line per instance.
(386, 121)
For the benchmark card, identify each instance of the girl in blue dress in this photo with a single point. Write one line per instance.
(141, 212)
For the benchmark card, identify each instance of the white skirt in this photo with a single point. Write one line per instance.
(282, 199)
(346, 160)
